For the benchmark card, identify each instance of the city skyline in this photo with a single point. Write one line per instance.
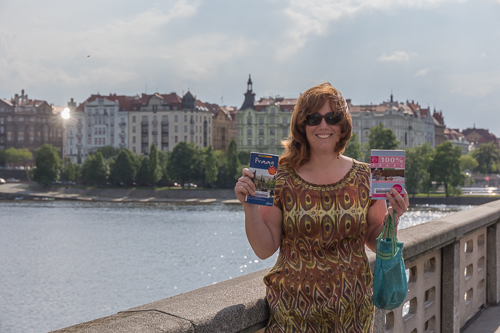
(439, 53)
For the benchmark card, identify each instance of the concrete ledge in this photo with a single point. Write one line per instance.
(133, 322)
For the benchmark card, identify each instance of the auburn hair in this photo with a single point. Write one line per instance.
(297, 150)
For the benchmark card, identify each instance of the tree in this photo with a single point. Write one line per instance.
(108, 151)
(163, 162)
(417, 161)
(154, 171)
(180, 164)
(244, 157)
(2, 157)
(381, 138)
(354, 148)
(468, 163)
(211, 165)
(123, 169)
(232, 161)
(445, 167)
(47, 162)
(142, 176)
(15, 156)
(94, 169)
(487, 155)
(68, 172)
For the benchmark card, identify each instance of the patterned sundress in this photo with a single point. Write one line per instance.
(322, 280)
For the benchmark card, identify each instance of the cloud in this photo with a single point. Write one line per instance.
(313, 17)
(425, 71)
(398, 56)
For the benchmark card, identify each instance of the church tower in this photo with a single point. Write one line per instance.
(249, 96)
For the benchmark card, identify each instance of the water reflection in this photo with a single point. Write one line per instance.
(68, 262)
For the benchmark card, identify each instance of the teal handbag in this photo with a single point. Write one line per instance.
(390, 285)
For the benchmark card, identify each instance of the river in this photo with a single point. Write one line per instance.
(67, 262)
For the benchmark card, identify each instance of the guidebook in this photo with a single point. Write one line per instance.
(387, 172)
(264, 168)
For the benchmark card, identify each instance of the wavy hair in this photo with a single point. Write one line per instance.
(297, 150)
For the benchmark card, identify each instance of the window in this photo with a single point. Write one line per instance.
(249, 131)
(133, 129)
(145, 119)
(261, 121)
(175, 139)
(133, 119)
(185, 138)
(21, 119)
(273, 111)
(133, 139)
(285, 132)
(191, 138)
(271, 121)
(185, 128)
(272, 131)
(176, 129)
(271, 142)
(90, 141)
(261, 131)
(185, 117)
(249, 142)
(155, 108)
(249, 121)
(261, 142)
(176, 118)
(1, 120)
(164, 118)
(133, 148)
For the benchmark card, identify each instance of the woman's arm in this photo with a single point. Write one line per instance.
(262, 223)
(378, 213)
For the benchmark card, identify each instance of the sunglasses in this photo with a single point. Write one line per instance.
(331, 118)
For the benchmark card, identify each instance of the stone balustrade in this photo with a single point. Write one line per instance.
(453, 267)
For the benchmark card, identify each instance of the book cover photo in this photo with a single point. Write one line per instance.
(387, 172)
(264, 168)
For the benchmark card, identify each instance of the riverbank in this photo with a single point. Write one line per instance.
(35, 192)
(178, 195)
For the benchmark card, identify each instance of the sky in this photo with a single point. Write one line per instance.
(443, 54)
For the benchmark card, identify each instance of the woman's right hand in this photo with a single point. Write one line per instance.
(244, 186)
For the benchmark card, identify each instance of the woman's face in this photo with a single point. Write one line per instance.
(323, 138)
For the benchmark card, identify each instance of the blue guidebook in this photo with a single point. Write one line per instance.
(264, 168)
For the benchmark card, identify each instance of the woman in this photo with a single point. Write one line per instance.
(321, 219)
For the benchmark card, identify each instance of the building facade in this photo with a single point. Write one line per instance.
(412, 125)
(97, 122)
(28, 123)
(262, 125)
(166, 120)
(224, 126)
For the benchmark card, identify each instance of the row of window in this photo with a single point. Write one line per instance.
(272, 131)
(272, 142)
(20, 119)
(272, 121)
(193, 118)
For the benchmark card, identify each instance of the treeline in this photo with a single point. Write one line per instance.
(111, 166)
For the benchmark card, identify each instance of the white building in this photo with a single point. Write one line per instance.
(412, 125)
(97, 122)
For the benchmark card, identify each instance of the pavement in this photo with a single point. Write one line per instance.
(488, 321)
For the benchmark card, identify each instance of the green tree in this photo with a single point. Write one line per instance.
(381, 138)
(68, 172)
(142, 176)
(417, 161)
(180, 164)
(468, 163)
(123, 169)
(445, 167)
(108, 151)
(2, 157)
(94, 169)
(244, 157)
(210, 165)
(47, 162)
(163, 162)
(154, 171)
(487, 155)
(232, 161)
(16, 156)
(354, 148)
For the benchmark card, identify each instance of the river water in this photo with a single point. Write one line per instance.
(66, 262)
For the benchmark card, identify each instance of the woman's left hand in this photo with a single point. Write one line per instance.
(397, 203)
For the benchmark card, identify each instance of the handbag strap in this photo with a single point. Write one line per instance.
(388, 232)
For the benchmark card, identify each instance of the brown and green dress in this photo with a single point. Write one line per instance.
(322, 280)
